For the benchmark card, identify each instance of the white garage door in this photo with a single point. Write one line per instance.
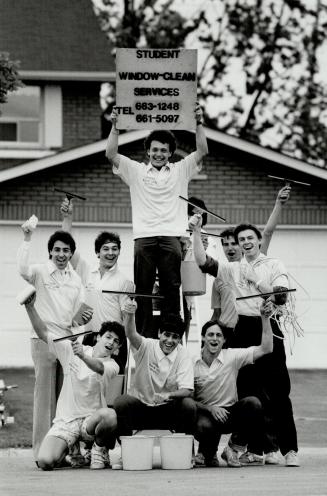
(304, 252)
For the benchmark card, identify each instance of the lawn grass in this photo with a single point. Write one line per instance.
(19, 402)
(308, 397)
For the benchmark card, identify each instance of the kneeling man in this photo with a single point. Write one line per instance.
(163, 381)
(81, 414)
(215, 393)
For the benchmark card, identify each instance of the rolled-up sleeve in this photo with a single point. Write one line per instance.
(185, 374)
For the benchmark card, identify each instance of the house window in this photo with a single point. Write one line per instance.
(21, 116)
(32, 118)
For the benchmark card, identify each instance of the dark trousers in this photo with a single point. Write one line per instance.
(163, 253)
(245, 420)
(269, 380)
(176, 415)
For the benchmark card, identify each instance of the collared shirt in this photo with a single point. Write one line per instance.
(157, 209)
(59, 293)
(270, 271)
(82, 392)
(105, 306)
(216, 384)
(156, 372)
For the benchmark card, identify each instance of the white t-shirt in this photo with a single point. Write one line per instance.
(59, 293)
(269, 270)
(216, 385)
(157, 209)
(156, 372)
(82, 392)
(105, 306)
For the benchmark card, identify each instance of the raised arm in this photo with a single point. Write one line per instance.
(282, 198)
(23, 253)
(92, 363)
(200, 137)
(112, 144)
(195, 223)
(66, 210)
(129, 310)
(36, 321)
(266, 345)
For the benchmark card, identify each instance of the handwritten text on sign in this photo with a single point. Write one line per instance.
(155, 88)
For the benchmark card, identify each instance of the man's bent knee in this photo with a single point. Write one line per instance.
(45, 463)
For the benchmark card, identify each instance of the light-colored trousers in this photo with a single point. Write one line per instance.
(46, 389)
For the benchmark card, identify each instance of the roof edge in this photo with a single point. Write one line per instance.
(67, 156)
(266, 153)
(128, 137)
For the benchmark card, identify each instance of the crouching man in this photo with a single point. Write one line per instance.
(163, 381)
(215, 392)
(81, 413)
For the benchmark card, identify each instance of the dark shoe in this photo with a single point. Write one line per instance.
(213, 462)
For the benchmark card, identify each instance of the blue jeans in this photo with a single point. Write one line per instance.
(162, 253)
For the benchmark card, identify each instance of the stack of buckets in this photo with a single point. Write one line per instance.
(175, 451)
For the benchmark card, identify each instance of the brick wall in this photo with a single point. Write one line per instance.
(81, 114)
(237, 187)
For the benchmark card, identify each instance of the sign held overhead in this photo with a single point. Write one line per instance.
(156, 88)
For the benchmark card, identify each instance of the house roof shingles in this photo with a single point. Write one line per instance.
(54, 35)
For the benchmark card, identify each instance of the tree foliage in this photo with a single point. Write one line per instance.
(9, 77)
(259, 74)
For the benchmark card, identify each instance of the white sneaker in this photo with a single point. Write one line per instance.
(272, 458)
(292, 459)
(99, 457)
(118, 464)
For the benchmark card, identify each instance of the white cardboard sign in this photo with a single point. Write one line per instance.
(156, 88)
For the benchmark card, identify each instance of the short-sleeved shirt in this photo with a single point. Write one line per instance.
(59, 293)
(82, 392)
(157, 209)
(269, 270)
(156, 372)
(106, 306)
(216, 385)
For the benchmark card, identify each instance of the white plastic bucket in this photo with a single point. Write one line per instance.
(193, 279)
(176, 451)
(137, 452)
